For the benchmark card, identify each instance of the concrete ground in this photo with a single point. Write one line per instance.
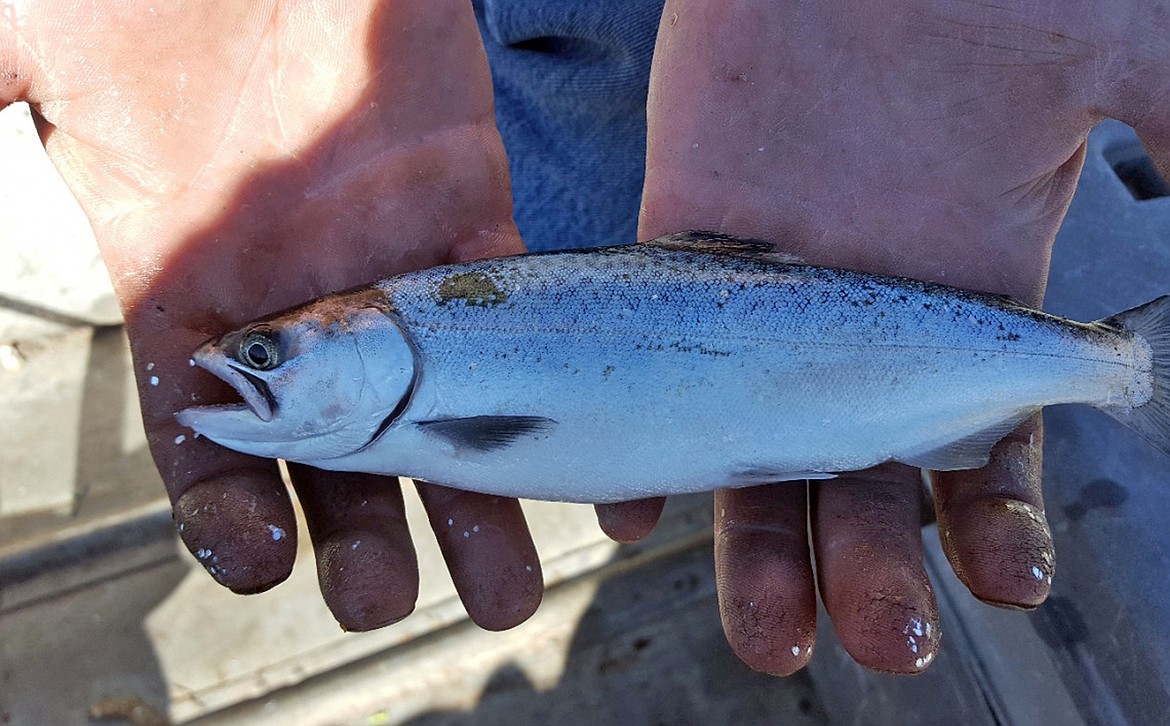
(104, 618)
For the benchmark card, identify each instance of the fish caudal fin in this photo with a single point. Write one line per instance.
(1151, 420)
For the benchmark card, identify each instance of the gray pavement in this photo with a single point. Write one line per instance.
(103, 614)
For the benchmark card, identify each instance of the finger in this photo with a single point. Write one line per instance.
(366, 564)
(766, 596)
(489, 552)
(233, 512)
(992, 525)
(241, 528)
(629, 521)
(868, 550)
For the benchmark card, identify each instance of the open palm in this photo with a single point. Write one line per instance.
(938, 140)
(237, 158)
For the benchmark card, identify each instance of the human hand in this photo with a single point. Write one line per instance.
(935, 140)
(237, 158)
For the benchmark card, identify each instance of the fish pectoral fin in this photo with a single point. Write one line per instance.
(487, 433)
(969, 452)
(722, 244)
(756, 475)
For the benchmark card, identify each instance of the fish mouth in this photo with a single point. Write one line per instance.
(252, 388)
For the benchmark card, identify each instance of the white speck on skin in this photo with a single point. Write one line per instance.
(760, 149)
(466, 534)
(1025, 509)
(1037, 572)
(796, 650)
(180, 439)
(203, 553)
(150, 366)
(450, 521)
(182, 526)
(277, 532)
(695, 145)
(154, 380)
(355, 544)
(528, 568)
(475, 528)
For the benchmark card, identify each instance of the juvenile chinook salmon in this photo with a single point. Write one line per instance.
(689, 363)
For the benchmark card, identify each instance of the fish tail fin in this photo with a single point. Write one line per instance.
(1151, 420)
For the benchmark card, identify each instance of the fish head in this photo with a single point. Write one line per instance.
(317, 382)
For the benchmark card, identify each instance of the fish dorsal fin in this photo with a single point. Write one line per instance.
(969, 452)
(487, 433)
(715, 243)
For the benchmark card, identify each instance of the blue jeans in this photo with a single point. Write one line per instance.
(570, 81)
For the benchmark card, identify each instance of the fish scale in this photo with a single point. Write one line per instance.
(689, 363)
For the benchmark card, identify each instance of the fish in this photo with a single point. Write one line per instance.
(688, 363)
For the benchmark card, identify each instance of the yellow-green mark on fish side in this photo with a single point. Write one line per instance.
(473, 288)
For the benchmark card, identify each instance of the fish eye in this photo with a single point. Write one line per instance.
(259, 350)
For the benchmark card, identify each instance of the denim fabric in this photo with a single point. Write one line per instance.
(570, 86)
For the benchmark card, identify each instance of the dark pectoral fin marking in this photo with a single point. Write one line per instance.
(487, 433)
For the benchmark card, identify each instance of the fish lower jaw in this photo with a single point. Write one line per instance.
(194, 417)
